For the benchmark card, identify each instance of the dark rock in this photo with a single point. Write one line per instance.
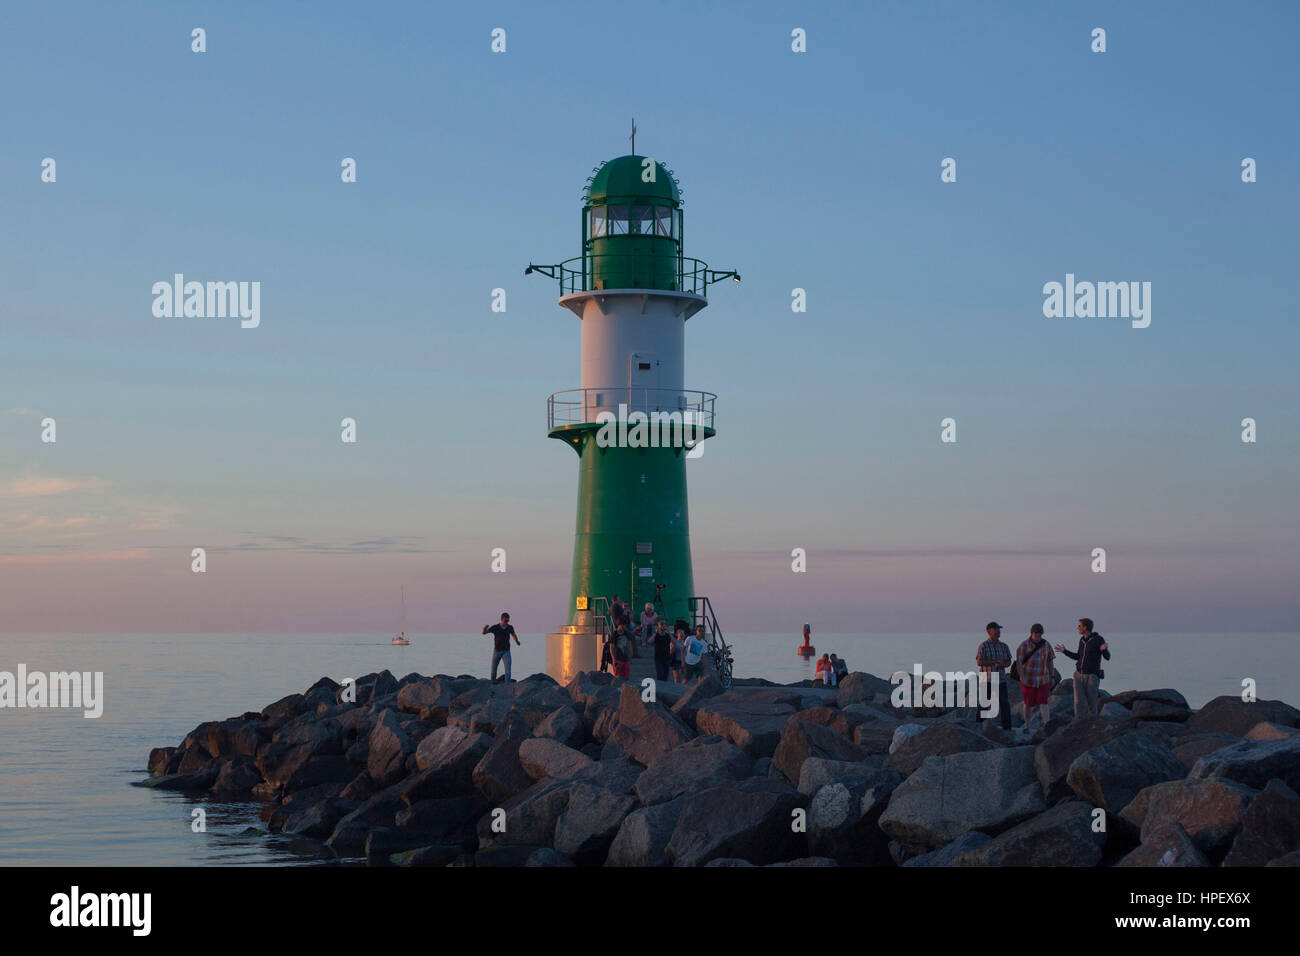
(527, 818)
(290, 706)
(1232, 715)
(642, 838)
(1210, 810)
(1054, 756)
(697, 765)
(1192, 747)
(645, 730)
(688, 704)
(499, 775)
(545, 856)
(1166, 845)
(1160, 710)
(1163, 695)
(1269, 829)
(448, 821)
(1253, 763)
(186, 782)
(948, 855)
(1063, 836)
(1111, 775)
(543, 757)
(937, 740)
(986, 790)
(158, 759)
(861, 688)
(331, 768)
(427, 856)
(453, 750)
(389, 747)
(751, 819)
(750, 719)
(590, 822)
(236, 779)
(843, 818)
(563, 725)
(801, 739)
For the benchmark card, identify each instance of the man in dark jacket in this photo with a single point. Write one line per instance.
(1087, 667)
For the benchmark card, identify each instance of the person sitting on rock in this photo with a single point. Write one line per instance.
(819, 675)
(839, 669)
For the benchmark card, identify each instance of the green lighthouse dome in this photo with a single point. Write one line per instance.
(622, 178)
(632, 226)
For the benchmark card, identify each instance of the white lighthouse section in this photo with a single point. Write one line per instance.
(633, 349)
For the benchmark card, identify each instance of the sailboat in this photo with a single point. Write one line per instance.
(400, 640)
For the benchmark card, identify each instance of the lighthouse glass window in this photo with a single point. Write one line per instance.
(664, 221)
(617, 220)
(641, 221)
(597, 222)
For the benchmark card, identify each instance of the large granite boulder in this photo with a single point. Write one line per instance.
(543, 757)
(948, 855)
(1270, 828)
(389, 747)
(590, 822)
(945, 797)
(564, 725)
(752, 719)
(1232, 715)
(428, 697)
(802, 739)
(642, 838)
(697, 765)
(861, 688)
(1191, 747)
(936, 740)
(1062, 836)
(1210, 810)
(749, 819)
(688, 704)
(647, 730)
(1111, 775)
(1253, 763)
(446, 821)
(1058, 752)
(1166, 845)
(500, 775)
(843, 818)
(528, 818)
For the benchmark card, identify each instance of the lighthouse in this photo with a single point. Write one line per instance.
(632, 422)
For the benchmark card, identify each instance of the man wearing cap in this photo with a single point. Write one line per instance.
(993, 658)
(1034, 664)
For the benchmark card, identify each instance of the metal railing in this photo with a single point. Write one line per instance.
(647, 271)
(580, 406)
(719, 650)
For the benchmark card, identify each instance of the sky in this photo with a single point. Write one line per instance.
(817, 170)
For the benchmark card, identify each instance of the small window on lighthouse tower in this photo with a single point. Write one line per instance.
(597, 222)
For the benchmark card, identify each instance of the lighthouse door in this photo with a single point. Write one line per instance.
(643, 380)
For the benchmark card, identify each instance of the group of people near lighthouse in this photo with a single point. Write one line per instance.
(1032, 666)
(678, 653)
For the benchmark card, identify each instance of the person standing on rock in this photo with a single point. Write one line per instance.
(992, 658)
(693, 656)
(1034, 665)
(1087, 667)
(678, 646)
(501, 634)
(621, 647)
(663, 642)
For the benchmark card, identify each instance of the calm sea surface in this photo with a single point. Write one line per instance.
(65, 781)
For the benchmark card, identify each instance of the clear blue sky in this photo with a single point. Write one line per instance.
(816, 170)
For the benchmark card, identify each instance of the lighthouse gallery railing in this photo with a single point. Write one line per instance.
(581, 406)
